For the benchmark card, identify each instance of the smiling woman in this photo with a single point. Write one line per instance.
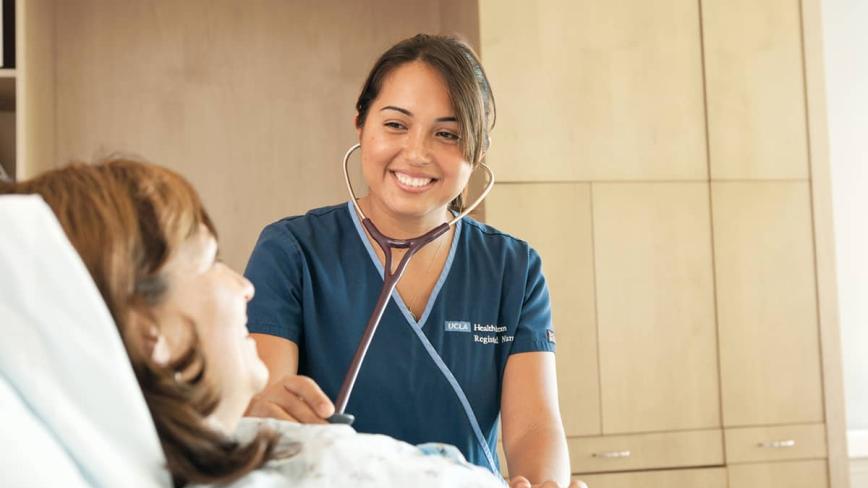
(423, 120)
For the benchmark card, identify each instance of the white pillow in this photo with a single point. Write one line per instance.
(62, 355)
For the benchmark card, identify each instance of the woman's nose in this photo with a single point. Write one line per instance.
(417, 149)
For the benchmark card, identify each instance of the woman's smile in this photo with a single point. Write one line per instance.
(412, 183)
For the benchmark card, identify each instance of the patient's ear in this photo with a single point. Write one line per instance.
(152, 342)
(160, 353)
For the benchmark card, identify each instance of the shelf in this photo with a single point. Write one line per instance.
(7, 93)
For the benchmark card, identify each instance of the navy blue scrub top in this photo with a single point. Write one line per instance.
(437, 379)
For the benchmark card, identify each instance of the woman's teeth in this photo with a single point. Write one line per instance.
(412, 181)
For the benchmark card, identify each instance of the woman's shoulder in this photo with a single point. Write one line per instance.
(329, 219)
(480, 234)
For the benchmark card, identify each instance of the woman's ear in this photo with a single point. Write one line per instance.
(357, 126)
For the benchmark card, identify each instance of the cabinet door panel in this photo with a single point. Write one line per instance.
(595, 90)
(687, 478)
(658, 348)
(791, 474)
(779, 443)
(556, 220)
(766, 298)
(683, 449)
(755, 89)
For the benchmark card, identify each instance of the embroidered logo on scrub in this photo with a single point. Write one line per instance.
(482, 333)
(550, 335)
(457, 326)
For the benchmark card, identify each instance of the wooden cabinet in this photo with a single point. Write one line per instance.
(778, 443)
(646, 451)
(709, 229)
(793, 474)
(766, 298)
(655, 307)
(683, 478)
(595, 90)
(556, 220)
(755, 89)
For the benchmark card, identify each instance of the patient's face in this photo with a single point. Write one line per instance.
(214, 297)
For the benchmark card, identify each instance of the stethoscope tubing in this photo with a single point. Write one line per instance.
(390, 279)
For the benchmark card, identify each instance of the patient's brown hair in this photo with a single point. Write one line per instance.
(125, 218)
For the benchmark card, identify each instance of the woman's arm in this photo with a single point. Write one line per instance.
(288, 396)
(533, 435)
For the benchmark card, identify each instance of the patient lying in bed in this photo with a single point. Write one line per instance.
(151, 249)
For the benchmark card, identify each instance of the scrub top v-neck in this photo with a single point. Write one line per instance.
(437, 379)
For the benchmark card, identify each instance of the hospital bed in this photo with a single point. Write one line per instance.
(71, 411)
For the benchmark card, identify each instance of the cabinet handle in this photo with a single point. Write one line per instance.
(778, 444)
(612, 454)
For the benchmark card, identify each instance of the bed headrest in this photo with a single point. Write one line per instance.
(64, 374)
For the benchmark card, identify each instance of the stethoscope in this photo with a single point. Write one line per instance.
(390, 280)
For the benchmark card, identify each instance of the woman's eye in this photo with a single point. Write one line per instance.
(450, 136)
(394, 125)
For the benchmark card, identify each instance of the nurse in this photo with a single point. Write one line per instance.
(467, 338)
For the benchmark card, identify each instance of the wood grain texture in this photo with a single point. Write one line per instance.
(791, 474)
(252, 101)
(767, 308)
(655, 289)
(556, 220)
(755, 89)
(682, 478)
(596, 90)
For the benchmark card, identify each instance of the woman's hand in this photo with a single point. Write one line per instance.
(522, 482)
(295, 398)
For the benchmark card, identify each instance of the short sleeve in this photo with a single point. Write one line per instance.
(275, 271)
(534, 332)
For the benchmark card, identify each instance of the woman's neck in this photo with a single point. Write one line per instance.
(400, 226)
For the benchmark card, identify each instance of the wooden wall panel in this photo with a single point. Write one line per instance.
(253, 101)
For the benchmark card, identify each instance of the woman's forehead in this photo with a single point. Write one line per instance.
(416, 87)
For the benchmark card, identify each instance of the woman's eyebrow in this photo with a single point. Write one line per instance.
(397, 109)
(410, 114)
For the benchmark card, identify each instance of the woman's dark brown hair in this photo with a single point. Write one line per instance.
(469, 90)
(125, 219)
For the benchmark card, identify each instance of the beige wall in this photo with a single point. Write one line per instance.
(253, 101)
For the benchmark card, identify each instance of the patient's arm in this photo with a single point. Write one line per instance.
(288, 396)
(533, 435)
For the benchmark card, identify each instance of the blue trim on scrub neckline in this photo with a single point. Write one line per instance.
(417, 328)
(461, 396)
(435, 292)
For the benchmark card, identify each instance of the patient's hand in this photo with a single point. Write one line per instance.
(522, 482)
(294, 397)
